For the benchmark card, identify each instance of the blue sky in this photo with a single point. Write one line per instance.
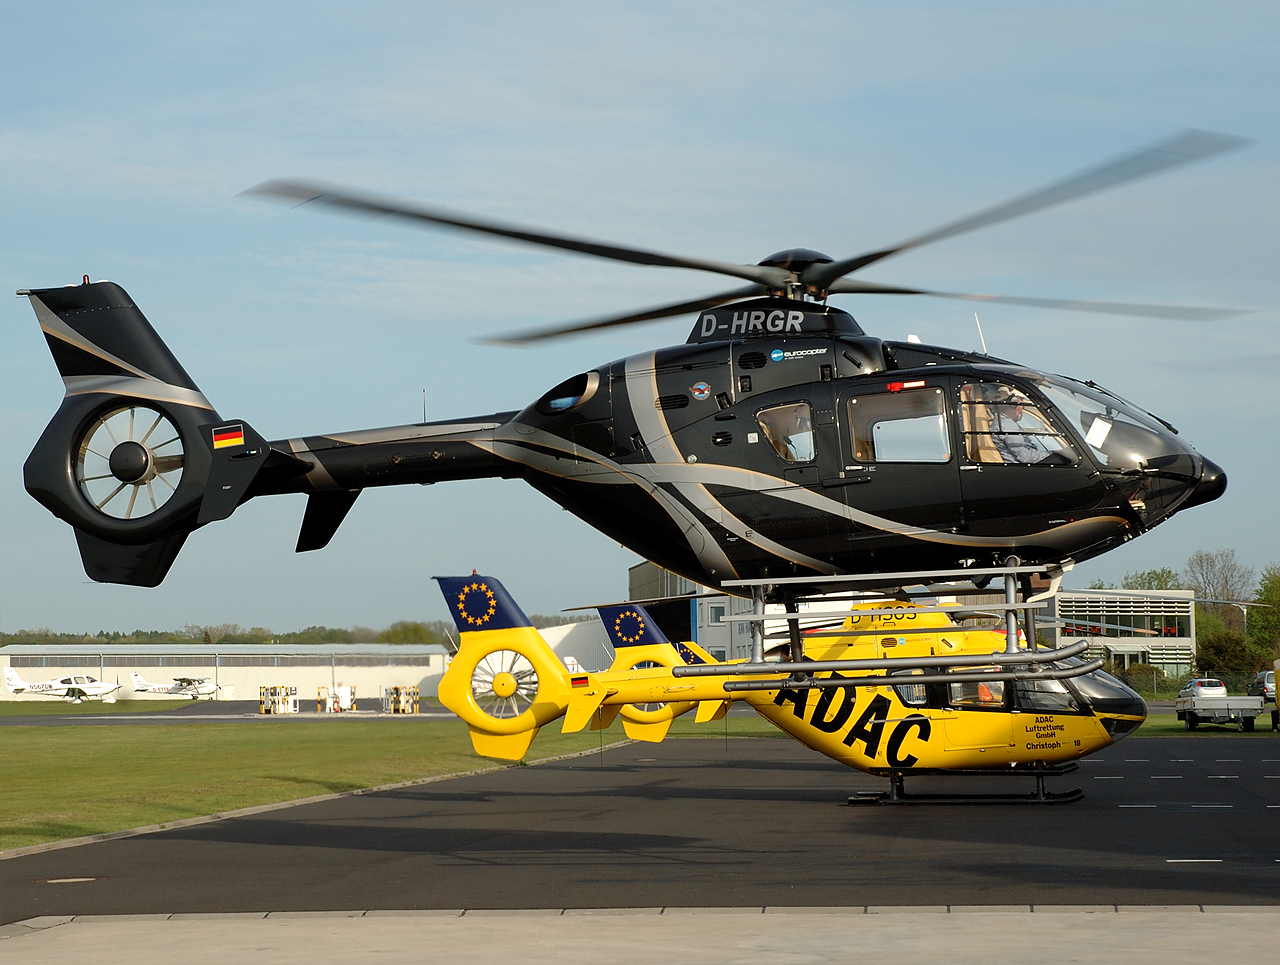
(714, 129)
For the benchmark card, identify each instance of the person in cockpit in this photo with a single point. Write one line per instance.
(1016, 442)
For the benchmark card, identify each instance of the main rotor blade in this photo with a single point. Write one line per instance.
(1187, 313)
(662, 311)
(1182, 148)
(373, 205)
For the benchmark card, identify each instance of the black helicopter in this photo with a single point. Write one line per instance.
(780, 440)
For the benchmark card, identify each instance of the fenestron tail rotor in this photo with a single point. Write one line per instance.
(504, 684)
(129, 462)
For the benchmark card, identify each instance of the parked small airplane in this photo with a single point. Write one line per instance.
(193, 687)
(902, 688)
(75, 688)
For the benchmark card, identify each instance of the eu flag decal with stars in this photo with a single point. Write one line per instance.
(630, 626)
(480, 603)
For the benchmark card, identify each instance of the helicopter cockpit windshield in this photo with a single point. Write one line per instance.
(1121, 437)
(1128, 444)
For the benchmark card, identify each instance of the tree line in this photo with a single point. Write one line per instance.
(1237, 609)
(402, 631)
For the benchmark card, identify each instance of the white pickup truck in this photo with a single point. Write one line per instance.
(1241, 711)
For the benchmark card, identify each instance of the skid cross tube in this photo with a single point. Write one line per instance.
(900, 611)
(894, 631)
(790, 683)
(884, 663)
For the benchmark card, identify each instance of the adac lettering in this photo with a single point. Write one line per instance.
(1044, 734)
(869, 728)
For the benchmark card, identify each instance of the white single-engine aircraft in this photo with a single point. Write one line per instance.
(75, 688)
(193, 687)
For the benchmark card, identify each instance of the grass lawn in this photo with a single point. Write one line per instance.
(1168, 725)
(41, 708)
(65, 782)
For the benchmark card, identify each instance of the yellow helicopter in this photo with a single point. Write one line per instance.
(898, 688)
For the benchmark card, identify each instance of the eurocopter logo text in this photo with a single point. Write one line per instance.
(778, 355)
(747, 322)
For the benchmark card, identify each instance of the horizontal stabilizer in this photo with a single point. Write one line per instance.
(325, 513)
(709, 710)
(143, 565)
(238, 453)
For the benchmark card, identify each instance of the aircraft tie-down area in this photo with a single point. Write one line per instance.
(197, 688)
(76, 688)
(893, 686)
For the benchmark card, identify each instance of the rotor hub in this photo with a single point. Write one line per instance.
(504, 684)
(130, 461)
(796, 259)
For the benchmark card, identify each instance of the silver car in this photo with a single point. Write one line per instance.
(1203, 687)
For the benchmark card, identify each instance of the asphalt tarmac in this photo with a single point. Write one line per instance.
(743, 823)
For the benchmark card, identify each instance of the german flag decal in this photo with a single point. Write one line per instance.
(580, 681)
(225, 436)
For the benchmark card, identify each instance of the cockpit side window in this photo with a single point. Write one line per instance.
(789, 429)
(987, 694)
(900, 427)
(1044, 697)
(913, 695)
(1001, 425)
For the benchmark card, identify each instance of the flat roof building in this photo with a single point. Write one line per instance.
(238, 669)
(1156, 627)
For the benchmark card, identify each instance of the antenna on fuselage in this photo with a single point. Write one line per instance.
(980, 339)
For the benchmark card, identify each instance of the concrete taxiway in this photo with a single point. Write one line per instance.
(963, 935)
(743, 823)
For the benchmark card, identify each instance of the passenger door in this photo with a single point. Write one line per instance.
(899, 461)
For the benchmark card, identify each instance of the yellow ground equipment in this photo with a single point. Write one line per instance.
(277, 700)
(335, 700)
(400, 700)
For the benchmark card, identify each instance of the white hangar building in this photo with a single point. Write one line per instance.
(239, 669)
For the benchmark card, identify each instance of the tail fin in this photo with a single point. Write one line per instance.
(13, 682)
(140, 684)
(150, 459)
(631, 630)
(504, 681)
(639, 643)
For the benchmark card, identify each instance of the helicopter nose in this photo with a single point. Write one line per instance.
(1119, 708)
(1213, 483)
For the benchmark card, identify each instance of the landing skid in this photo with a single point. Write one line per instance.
(897, 793)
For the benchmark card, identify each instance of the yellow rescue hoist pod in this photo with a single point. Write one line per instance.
(895, 689)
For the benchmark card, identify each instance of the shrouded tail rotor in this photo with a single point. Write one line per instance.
(129, 462)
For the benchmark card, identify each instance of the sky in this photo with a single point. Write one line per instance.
(720, 130)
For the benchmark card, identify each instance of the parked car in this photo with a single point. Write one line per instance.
(1203, 687)
(1264, 685)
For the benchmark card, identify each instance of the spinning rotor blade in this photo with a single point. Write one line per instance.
(1188, 313)
(1181, 148)
(370, 204)
(662, 311)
